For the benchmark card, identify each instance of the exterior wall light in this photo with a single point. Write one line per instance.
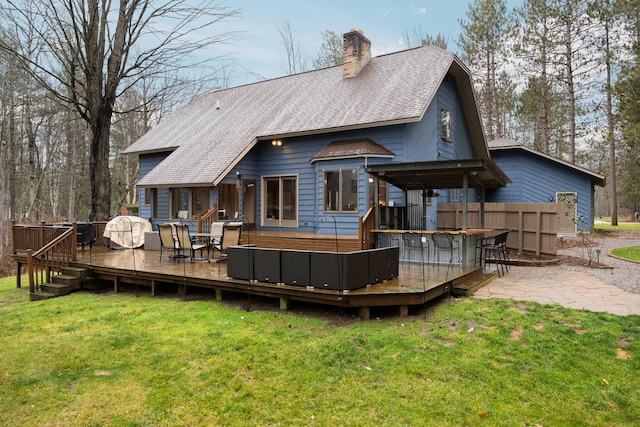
(276, 142)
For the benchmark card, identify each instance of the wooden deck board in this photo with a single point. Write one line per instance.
(416, 284)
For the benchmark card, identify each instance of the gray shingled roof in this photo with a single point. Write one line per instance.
(208, 141)
(499, 144)
(352, 148)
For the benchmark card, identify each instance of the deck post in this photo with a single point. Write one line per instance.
(218, 295)
(153, 288)
(32, 284)
(284, 304)
(403, 310)
(364, 313)
(19, 275)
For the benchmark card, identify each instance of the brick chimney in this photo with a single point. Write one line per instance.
(356, 53)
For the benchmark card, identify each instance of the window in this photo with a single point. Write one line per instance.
(382, 192)
(280, 201)
(445, 124)
(341, 190)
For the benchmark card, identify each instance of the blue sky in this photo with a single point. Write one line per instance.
(259, 49)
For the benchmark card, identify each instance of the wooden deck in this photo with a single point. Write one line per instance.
(416, 284)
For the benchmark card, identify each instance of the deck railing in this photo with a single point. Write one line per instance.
(205, 220)
(367, 223)
(51, 258)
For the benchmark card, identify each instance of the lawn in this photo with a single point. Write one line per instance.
(605, 225)
(93, 359)
(631, 253)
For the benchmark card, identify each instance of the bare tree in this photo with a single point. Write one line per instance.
(94, 50)
(294, 57)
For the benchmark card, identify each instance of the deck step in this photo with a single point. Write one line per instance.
(63, 279)
(80, 272)
(57, 289)
(41, 295)
(471, 285)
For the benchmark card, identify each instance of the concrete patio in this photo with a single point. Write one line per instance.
(555, 285)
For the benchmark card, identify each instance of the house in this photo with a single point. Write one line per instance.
(539, 177)
(289, 153)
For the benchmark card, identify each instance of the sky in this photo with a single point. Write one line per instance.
(259, 51)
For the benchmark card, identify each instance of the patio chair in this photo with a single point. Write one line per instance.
(495, 251)
(188, 243)
(230, 237)
(414, 242)
(168, 240)
(444, 242)
(216, 230)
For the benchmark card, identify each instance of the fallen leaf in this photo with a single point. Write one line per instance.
(368, 368)
(250, 359)
(484, 414)
(604, 380)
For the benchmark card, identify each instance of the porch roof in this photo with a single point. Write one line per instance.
(352, 148)
(481, 173)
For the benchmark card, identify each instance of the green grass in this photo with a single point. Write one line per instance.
(631, 253)
(122, 360)
(606, 225)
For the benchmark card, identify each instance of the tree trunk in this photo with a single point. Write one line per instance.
(571, 90)
(99, 170)
(611, 128)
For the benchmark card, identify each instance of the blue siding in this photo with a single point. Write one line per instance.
(424, 142)
(146, 163)
(293, 158)
(536, 179)
(412, 142)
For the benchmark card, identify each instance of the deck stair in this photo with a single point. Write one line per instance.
(471, 284)
(61, 284)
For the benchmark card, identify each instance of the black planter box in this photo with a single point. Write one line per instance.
(342, 271)
(295, 267)
(353, 268)
(324, 270)
(266, 265)
(383, 264)
(240, 262)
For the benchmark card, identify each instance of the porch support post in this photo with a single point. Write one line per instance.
(482, 200)
(284, 304)
(376, 198)
(465, 199)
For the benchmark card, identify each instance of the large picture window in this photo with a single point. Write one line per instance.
(280, 201)
(341, 190)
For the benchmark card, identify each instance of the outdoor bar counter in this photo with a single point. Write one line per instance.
(411, 241)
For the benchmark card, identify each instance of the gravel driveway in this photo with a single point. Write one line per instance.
(624, 274)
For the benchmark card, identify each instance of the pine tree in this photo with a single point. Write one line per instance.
(484, 49)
